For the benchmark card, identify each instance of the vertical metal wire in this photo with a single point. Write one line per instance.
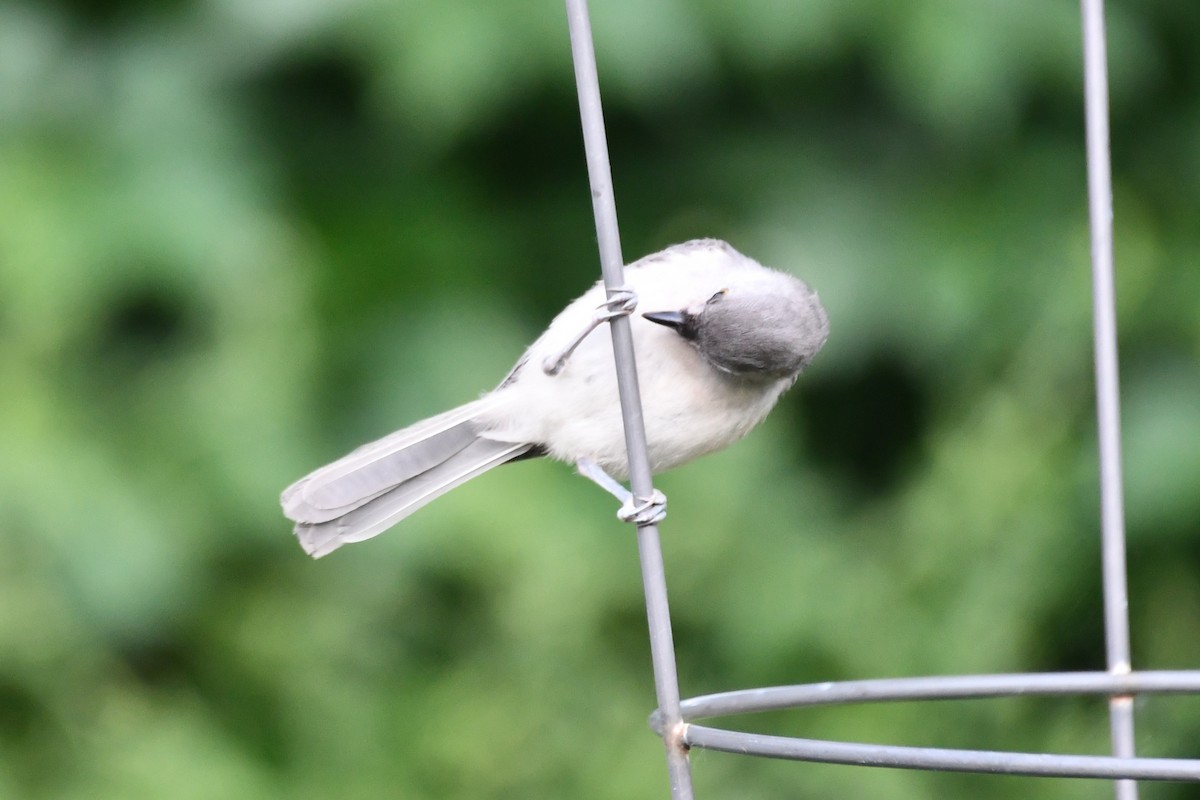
(662, 646)
(1112, 512)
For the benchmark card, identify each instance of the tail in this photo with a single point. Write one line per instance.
(379, 484)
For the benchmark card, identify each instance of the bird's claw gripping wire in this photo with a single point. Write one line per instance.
(638, 510)
(644, 511)
(621, 303)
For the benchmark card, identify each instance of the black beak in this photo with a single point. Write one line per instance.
(682, 323)
(672, 319)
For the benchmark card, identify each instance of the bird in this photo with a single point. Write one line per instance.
(721, 339)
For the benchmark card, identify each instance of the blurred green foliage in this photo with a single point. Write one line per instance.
(239, 237)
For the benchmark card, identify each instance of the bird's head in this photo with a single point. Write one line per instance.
(764, 330)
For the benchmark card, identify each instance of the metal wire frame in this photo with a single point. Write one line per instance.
(953, 687)
(673, 719)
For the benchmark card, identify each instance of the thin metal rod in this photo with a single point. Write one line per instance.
(933, 758)
(1108, 413)
(662, 646)
(942, 687)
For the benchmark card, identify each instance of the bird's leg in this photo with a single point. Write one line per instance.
(639, 511)
(622, 303)
(595, 473)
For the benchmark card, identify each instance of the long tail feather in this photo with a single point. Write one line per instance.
(374, 469)
(381, 511)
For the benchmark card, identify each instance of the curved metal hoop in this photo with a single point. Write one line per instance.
(957, 687)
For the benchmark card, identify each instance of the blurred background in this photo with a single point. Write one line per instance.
(240, 237)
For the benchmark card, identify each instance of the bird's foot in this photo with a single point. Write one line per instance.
(621, 303)
(638, 510)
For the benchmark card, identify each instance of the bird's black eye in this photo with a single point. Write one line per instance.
(718, 297)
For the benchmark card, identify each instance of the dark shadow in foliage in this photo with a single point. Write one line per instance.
(454, 621)
(867, 426)
(101, 15)
(143, 324)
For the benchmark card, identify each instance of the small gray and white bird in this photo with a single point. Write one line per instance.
(721, 338)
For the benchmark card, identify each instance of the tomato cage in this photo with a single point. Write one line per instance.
(674, 720)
